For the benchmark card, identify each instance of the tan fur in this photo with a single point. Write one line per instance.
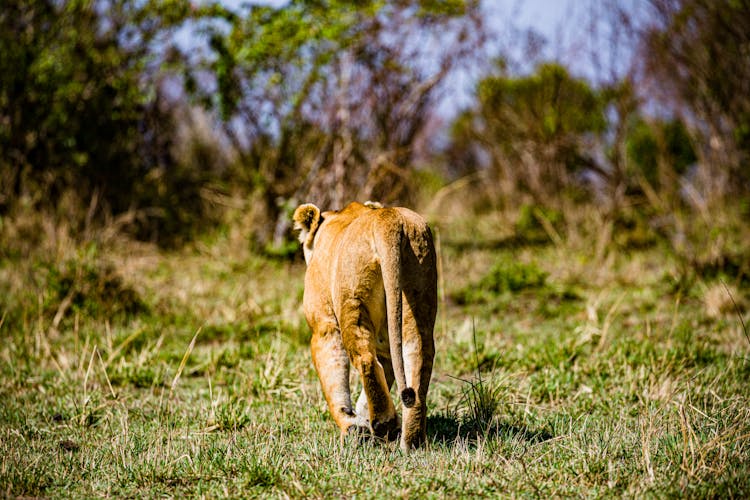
(370, 300)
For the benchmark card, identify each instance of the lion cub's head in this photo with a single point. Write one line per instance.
(307, 219)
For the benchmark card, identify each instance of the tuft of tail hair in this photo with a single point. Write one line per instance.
(408, 397)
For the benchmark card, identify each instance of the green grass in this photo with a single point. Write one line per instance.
(129, 372)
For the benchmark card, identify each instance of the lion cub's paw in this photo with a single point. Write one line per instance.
(388, 430)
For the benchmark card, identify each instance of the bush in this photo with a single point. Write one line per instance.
(86, 120)
(530, 228)
(503, 277)
(93, 289)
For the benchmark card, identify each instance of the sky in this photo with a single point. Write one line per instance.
(577, 33)
(542, 15)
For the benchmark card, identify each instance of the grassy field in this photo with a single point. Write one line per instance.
(564, 367)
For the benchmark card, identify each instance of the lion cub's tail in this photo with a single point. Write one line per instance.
(390, 266)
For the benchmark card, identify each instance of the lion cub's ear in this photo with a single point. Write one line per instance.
(306, 220)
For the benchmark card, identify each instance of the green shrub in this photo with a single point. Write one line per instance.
(93, 289)
(529, 226)
(503, 277)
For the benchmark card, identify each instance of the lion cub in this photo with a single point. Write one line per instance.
(370, 300)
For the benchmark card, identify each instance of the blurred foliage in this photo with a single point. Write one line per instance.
(502, 278)
(90, 288)
(552, 136)
(326, 101)
(530, 225)
(154, 118)
(659, 145)
(696, 53)
(84, 114)
(70, 98)
(548, 104)
(529, 129)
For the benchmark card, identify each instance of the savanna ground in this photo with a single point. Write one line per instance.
(583, 363)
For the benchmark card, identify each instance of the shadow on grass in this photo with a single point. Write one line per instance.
(447, 429)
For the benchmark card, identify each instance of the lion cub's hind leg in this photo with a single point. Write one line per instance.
(419, 352)
(363, 409)
(332, 364)
(357, 333)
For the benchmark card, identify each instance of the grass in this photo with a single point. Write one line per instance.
(560, 371)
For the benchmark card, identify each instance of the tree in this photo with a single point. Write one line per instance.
(325, 100)
(659, 152)
(696, 54)
(69, 100)
(83, 114)
(531, 131)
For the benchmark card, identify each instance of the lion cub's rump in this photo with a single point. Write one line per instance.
(371, 299)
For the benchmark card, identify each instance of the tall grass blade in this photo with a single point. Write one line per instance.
(738, 311)
(184, 360)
